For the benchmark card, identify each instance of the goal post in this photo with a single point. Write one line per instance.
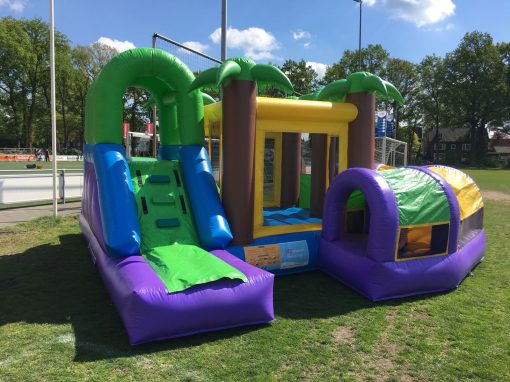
(390, 151)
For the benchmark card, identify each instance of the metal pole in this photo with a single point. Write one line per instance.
(395, 120)
(63, 186)
(154, 115)
(53, 108)
(128, 145)
(359, 42)
(223, 30)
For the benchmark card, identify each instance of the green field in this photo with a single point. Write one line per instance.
(58, 323)
(45, 165)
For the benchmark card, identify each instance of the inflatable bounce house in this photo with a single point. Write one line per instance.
(182, 253)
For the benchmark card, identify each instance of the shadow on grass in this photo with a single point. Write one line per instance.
(57, 284)
(318, 295)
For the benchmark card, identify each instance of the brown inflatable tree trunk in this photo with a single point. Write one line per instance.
(239, 111)
(333, 158)
(362, 131)
(319, 173)
(291, 169)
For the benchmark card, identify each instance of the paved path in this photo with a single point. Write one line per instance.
(23, 214)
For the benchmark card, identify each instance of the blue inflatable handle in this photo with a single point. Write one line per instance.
(212, 225)
(116, 199)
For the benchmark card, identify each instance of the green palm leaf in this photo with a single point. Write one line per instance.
(243, 68)
(309, 96)
(360, 82)
(335, 89)
(228, 71)
(372, 83)
(271, 75)
(207, 99)
(205, 78)
(393, 93)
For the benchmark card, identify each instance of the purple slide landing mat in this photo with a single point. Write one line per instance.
(149, 313)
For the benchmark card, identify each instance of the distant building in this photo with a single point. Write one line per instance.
(500, 147)
(452, 146)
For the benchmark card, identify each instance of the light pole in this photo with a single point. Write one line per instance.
(359, 37)
(154, 115)
(223, 30)
(53, 109)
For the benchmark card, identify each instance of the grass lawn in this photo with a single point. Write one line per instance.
(493, 180)
(57, 321)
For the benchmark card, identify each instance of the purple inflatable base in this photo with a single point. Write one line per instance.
(149, 313)
(389, 280)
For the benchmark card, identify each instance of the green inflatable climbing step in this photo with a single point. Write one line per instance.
(169, 240)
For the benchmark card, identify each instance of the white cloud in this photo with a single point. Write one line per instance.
(447, 27)
(307, 44)
(319, 68)
(14, 5)
(418, 12)
(118, 45)
(299, 34)
(195, 45)
(255, 42)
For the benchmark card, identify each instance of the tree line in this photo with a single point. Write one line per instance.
(468, 87)
(25, 86)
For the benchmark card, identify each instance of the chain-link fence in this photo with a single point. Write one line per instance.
(196, 61)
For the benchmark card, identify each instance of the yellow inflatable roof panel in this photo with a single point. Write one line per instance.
(467, 192)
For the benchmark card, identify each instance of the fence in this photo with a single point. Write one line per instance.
(21, 186)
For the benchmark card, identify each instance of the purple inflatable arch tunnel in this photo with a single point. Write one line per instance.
(383, 229)
(371, 262)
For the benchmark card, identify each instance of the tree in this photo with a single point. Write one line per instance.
(407, 134)
(82, 63)
(301, 75)
(24, 71)
(136, 110)
(101, 54)
(402, 74)
(87, 62)
(14, 52)
(432, 99)
(504, 51)
(476, 88)
(374, 60)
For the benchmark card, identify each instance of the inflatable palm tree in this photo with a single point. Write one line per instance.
(238, 78)
(360, 88)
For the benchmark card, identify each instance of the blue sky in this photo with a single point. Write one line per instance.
(317, 31)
